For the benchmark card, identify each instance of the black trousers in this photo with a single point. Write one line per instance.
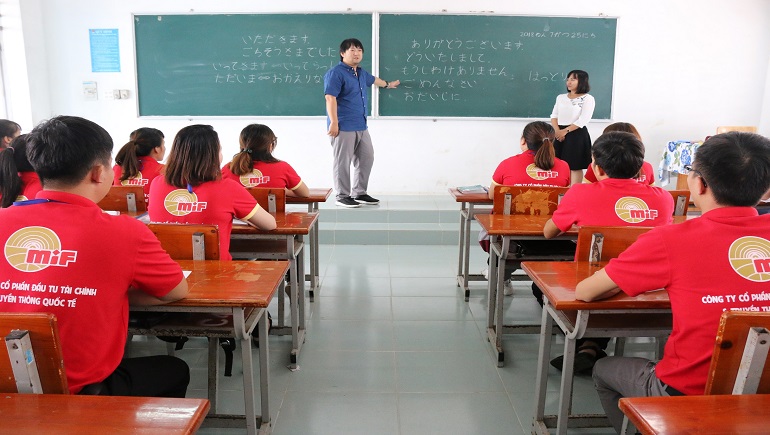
(149, 376)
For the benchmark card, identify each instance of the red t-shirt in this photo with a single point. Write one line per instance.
(213, 202)
(647, 176)
(64, 256)
(717, 262)
(614, 202)
(30, 185)
(149, 168)
(277, 174)
(520, 170)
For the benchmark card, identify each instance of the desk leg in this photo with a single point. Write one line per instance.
(467, 251)
(541, 384)
(264, 372)
(313, 241)
(565, 397)
(248, 371)
(461, 243)
(496, 300)
(213, 373)
(297, 299)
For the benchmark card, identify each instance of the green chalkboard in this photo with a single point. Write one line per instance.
(491, 66)
(240, 65)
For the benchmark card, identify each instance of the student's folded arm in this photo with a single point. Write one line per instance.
(263, 220)
(138, 297)
(550, 230)
(597, 286)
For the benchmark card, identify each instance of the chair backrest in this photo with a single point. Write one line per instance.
(744, 128)
(738, 362)
(188, 241)
(532, 200)
(603, 243)
(43, 334)
(681, 201)
(271, 199)
(124, 199)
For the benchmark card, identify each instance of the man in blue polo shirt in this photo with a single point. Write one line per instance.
(345, 88)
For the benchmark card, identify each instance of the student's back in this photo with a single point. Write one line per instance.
(137, 161)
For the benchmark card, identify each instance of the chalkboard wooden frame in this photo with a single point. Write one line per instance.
(392, 59)
(174, 80)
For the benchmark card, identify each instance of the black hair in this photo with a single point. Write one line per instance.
(142, 142)
(65, 148)
(256, 141)
(350, 42)
(582, 77)
(539, 137)
(735, 166)
(12, 161)
(619, 154)
(8, 128)
(194, 157)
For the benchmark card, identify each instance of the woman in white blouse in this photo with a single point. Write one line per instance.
(569, 118)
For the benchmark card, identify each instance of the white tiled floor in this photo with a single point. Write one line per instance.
(392, 348)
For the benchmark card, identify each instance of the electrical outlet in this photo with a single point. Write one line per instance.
(123, 94)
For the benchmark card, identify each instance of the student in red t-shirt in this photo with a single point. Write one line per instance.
(255, 166)
(9, 130)
(646, 175)
(18, 181)
(87, 266)
(536, 165)
(617, 199)
(193, 191)
(718, 262)
(137, 162)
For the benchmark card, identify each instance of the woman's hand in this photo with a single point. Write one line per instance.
(561, 134)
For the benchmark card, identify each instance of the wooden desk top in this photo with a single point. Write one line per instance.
(516, 224)
(318, 194)
(291, 223)
(231, 283)
(719, 414)
(558, 279)
(68, 414)
(476, 198)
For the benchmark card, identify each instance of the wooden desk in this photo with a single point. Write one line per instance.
(718, 414)
(76, 415)
(503, 229)
(316, 196)
(646, 315)
(289, 233)
(468, 211)
(243, 290)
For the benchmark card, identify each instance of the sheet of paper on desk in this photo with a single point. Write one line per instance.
(477, 188)
(238, 222)
(186, 273)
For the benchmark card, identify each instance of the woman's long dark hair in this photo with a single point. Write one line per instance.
(12, 161)
(539, 137)
(256, 141)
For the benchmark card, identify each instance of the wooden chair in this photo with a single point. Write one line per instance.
(126, 199)
(738, 362)
(681, 201)
(533, 200)
(743, 128)
(271, 199)
(43, 334)
(188, 241)
(603, 243)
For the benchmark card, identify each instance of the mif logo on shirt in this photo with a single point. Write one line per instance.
(254, 179)
(136, 180)
(634, 210)
(32, 249)
(180, 202)
(539, 174)
(750, 258)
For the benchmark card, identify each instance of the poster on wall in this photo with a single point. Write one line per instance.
(105, 52)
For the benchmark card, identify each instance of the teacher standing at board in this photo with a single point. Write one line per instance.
(345, 88)
(569, 118)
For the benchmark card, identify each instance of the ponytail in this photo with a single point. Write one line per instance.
(10, 182)
(12, 161)
(128, 161)
(256, 141)
(539, 137)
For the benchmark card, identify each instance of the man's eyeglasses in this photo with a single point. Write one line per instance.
(689, 169)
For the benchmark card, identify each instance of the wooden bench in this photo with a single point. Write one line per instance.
(42, 334)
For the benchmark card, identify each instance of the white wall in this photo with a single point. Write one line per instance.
(682, 68)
